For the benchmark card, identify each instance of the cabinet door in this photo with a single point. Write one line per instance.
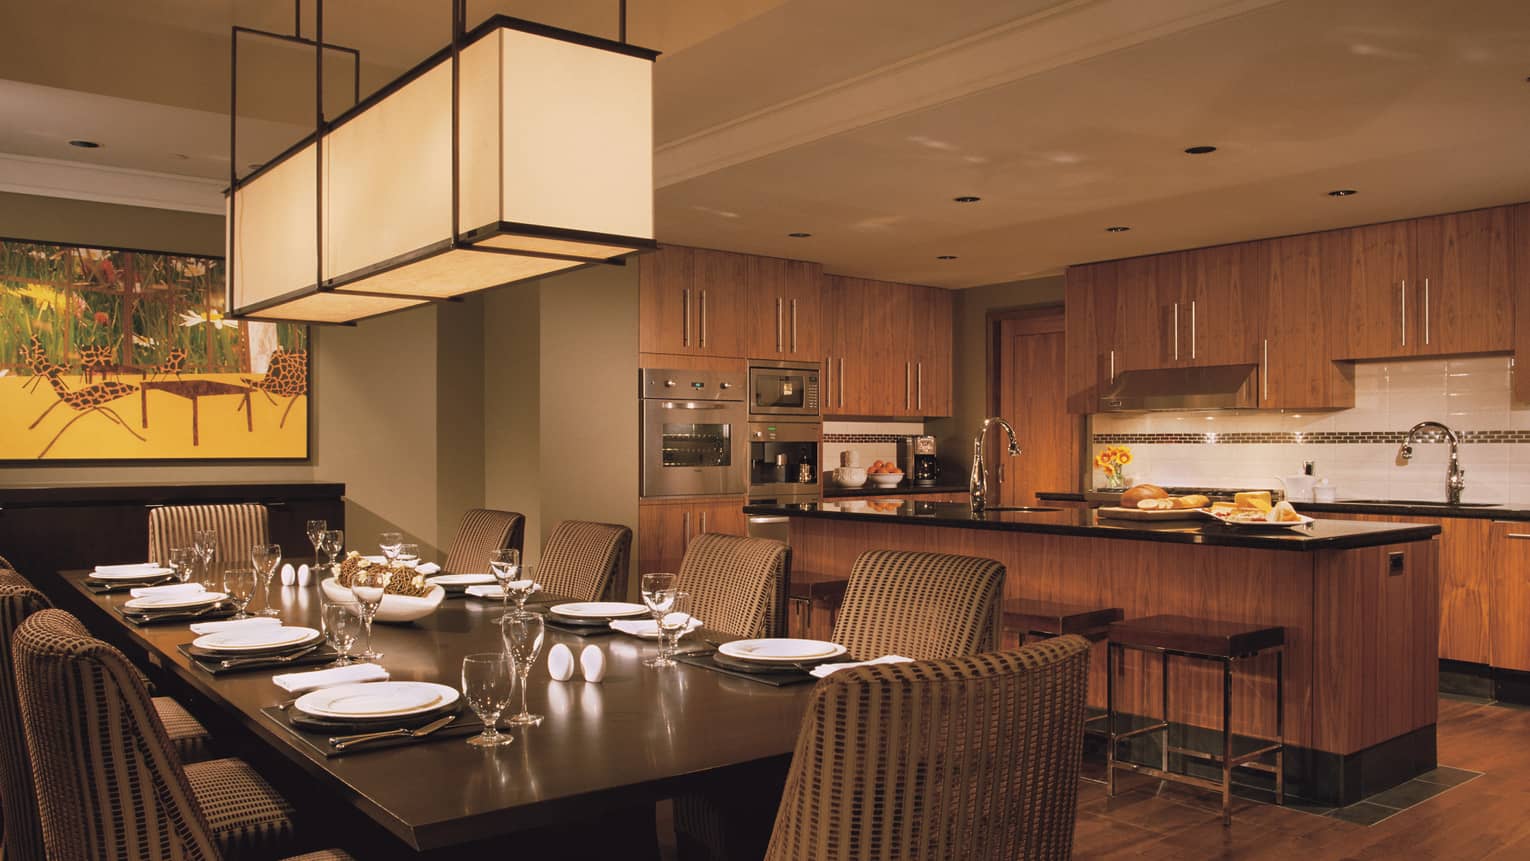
(1510, 554)
(1295, 369)
(932, 351)
(719, 290)
(666, 302)
(1222, 286)
(802, 286)
(1465, 302)
(1521, 256)
(1089, 325)
(1465, 588)
(725, 517)
(1147, 290)
(865, 365)
(664, 530)
(765, 331)
(1382, 293)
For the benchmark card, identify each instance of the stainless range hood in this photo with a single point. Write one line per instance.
(1224, 387)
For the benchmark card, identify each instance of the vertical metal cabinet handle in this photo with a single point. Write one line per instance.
(703, 318)
(1426, 311)
(828, 378)
(1192, 328)
(1264, 370)
(1112, 366)
(687, 538)
(778, 324)
(842, 382)
(1402, 295)
(685, 315)
(1176, 331)
(703, 517)
(919, 387)
(794, 325)
(908, 385)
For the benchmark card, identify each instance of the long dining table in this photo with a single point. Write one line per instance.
(641, 735)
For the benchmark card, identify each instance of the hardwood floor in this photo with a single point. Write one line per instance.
(1481, 818)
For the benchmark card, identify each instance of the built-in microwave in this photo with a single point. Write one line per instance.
(783, 388)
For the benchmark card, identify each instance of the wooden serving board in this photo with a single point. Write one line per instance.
(1116, 512)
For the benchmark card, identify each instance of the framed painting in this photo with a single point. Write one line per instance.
(111, 354)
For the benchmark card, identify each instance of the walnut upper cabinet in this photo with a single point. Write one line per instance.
(784, 309)
(692, 302)
(888, 349)
(1296, 320)
(1521, 294)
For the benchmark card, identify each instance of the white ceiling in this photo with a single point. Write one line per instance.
(859, 120)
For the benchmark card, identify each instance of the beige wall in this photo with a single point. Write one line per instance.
(459, 412)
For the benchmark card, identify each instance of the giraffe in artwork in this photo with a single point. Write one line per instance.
(97, 360)
(174, 363)
(36, 359)
(286, 377)
(91, 399)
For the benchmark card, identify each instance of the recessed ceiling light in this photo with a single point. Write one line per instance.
(84, 144)
(967, 198)
(799, 235)
(1342, 192)
(1199, 150)
(946, 257)
(1117, 229)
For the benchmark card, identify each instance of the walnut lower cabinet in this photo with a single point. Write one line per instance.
(1509, 555)
(666, 527)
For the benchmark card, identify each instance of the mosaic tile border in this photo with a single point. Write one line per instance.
(1300, 437)
(864, 437)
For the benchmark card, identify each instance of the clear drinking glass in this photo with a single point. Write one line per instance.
(316, 530)
(486, 685)
(342, 622)
(205, 542)
(505, 565)
(672, 626)
(658, 591)
(183, 561)
(523, 633)
(240, 585)
(266, 557)
(333, 545)
(389, 542)
(368, 586)
(409, 554)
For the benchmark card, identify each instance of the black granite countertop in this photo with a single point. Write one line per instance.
(903, 489)
(1323, 534)
(1414, 508)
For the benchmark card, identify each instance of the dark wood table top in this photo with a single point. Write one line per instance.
(641, 735)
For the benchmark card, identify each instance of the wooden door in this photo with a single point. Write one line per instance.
(766, 330)
(1466, 302)
(1030, 392)
(866, 361)
(719, 285)
(725, 517)
(801, 289)
(1382, 294)
(1146, 290)
(1510, 569)
(664, 530)
(1091, 307)
(933, 359)
(1299, 319)
(1521, 274)
(1223, 286)
(666, 302)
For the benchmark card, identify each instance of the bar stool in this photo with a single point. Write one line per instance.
(1047, 619)
(1208, 640)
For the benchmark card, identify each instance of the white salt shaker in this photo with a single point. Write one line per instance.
(560, 662)
(304, 575)
(592, 661)
(289, 576)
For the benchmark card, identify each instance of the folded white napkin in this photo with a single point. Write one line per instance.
(215, 627)
(647, 628)
(169, 591)
(824, 669)
(134, 568)
(485, 590)
(289, 574)
(428, 568)
(297, 683)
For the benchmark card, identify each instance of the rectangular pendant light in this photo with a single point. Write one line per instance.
(554, 142)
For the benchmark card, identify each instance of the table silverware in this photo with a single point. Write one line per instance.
(228, 663)
(341, 742)
(171, 615)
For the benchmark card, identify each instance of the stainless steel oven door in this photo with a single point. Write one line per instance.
(693, 448)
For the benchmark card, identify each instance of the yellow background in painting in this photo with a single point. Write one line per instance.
(221, 424)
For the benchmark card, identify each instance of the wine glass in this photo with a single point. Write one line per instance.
(368, 586)
(658, 591)
(333, 544)
(672, 627)
(505, 565)
(183, 561)
(266, 557)
(389, 542)
(409, 554)
(523, 634)
(240, 584)
(342, 621)
(205, 542)
(486, 685)
(316, 530)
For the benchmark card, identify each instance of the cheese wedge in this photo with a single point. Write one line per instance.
(1256, 499)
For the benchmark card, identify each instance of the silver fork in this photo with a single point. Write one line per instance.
(227, 663)
(341, 742)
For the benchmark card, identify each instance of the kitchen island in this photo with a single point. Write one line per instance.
(1359, 603)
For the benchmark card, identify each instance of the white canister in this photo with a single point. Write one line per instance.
(850, 457)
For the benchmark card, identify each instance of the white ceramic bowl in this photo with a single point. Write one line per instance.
(394, 608)
(886, 480)
(850, 476)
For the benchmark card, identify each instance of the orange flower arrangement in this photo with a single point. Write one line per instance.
(1112, 461)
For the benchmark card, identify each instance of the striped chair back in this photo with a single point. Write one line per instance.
(983, 752)
(483, 530)
(737, 585)
(109, 785)
(240, 526)
(23, 830)
(925, 606)
(586, 561)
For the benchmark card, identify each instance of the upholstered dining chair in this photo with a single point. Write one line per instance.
(483, 530)
(924, 606)
(109, 785)
(974, 757)
(586, 561)
(737, 585)
(239, 526)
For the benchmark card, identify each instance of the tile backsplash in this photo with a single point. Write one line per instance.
(874, 440)
(1355, 449)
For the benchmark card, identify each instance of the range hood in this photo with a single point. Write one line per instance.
(1223, 387)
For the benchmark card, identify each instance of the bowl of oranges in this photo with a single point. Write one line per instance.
(884, 474)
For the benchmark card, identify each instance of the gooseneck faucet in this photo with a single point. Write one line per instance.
(978, 486)
(1455, 476)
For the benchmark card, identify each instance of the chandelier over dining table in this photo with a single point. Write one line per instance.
(518, 151)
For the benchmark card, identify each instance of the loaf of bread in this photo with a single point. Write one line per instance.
(1136, 494)
(1194, 500)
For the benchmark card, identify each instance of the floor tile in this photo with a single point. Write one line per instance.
(1448, 776)
(1363, 813)
(1407, 794)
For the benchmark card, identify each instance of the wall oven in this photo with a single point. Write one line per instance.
(783, 389)
(695, 438)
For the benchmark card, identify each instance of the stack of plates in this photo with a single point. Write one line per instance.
(173, 603)
(456, 584)
(387, 704)
(780, 652)
(596, 613)
(255, 640)
(129, 573)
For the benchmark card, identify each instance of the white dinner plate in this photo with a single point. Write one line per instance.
(460, 579)
(175, 602)
(147, 572)
(253, 638)
(1261, 524)
(376, 699)
(781, 650)
(599, 610)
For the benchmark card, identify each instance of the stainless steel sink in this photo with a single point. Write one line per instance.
(1022, 508)
(1431, 502)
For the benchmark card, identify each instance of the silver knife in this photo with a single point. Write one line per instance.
(227, 663)
(341, 742)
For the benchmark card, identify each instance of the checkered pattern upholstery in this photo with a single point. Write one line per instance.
(925, 606)
(483, 530)
(239, 526)
(586, 561)
(737, 585)
(971, 757)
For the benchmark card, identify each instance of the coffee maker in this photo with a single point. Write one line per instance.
(916, 457)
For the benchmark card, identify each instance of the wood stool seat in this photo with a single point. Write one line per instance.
(1051, 619)
(1192, 636)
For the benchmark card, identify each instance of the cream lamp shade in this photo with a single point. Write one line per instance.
(554, 145)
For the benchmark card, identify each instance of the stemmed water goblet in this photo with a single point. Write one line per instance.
(368, 585)
(672, 626)
(265, 558)
(658, 591)
(316, 530)
(183, 561)
(408, 554)
(389, 543)
(333, 543)
(342, 619)
(486, 684)
(505, 565)
(240, 585)
(205, 542)
(523, 633)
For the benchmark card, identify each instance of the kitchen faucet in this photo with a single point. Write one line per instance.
(978, 486)
(1455, 476)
